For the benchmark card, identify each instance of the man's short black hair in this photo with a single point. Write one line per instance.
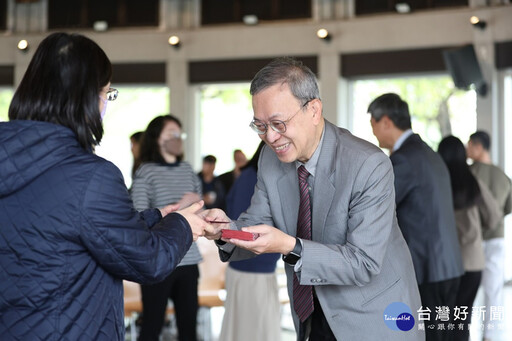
(482, 138)
(392, 106)
(210, 159)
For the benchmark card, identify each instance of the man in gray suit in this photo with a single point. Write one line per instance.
(350, 276)
(424, 209)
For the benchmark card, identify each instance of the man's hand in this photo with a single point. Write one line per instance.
(197, 224)
(213, 215)
(270, 240)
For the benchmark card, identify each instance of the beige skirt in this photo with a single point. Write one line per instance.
(252, 309)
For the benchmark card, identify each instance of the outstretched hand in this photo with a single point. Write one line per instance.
(169, 209)
(270, 240)
(197, 224)
(218, 220)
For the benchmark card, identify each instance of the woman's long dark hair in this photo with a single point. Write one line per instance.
(149, 148)
(465, 187)
(62, 86)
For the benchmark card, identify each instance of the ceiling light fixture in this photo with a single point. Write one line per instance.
(250, 19)
(324, 35)
(23, 45)
(403, 7)
(476, 22)
(100, 26)
(175, 42)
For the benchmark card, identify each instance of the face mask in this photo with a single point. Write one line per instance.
(173, 146)
(104, 110)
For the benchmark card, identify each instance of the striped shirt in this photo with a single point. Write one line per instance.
(157, 185)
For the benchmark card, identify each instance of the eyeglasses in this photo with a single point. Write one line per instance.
(277, 125)
(112, 94)
(177, 135)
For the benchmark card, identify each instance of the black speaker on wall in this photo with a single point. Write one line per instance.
(464, 69)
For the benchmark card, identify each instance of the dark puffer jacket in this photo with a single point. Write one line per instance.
(68, 236)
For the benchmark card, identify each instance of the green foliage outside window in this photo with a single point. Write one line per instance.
(226, 111)
(5, 100)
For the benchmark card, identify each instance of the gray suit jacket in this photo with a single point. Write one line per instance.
(357, 259)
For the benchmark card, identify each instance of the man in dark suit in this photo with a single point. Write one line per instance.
(424, 208)
(335, 224)
(228, 179)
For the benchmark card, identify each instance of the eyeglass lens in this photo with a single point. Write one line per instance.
(112, 94)
(276, 125)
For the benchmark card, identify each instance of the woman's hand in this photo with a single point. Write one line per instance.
(188, 199)
(197, 224)
(218, 220)
(169, 209)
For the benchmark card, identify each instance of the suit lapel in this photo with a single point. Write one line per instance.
(323, 189)
(289, 196)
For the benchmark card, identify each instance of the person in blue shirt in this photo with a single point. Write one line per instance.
(252, 309)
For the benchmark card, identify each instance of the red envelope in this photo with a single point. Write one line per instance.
(242, 235)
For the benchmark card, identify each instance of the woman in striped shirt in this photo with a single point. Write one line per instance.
(164, 178)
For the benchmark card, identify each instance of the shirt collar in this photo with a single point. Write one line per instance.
(173, 164)
(313, 161)
(402, 138)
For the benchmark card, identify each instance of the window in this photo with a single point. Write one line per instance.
(6, 94)
(233, 11)
(117, 13)
(436, 108)
(225, 114)
(135, 107)
(379, 6)
(3, 15)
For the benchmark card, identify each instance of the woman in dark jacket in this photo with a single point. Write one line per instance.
(68, 231)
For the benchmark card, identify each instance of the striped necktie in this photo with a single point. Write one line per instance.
(303, 294)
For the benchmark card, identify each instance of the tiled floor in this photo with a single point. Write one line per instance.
(503, 325)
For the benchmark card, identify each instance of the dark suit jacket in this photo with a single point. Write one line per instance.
(425, 212)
